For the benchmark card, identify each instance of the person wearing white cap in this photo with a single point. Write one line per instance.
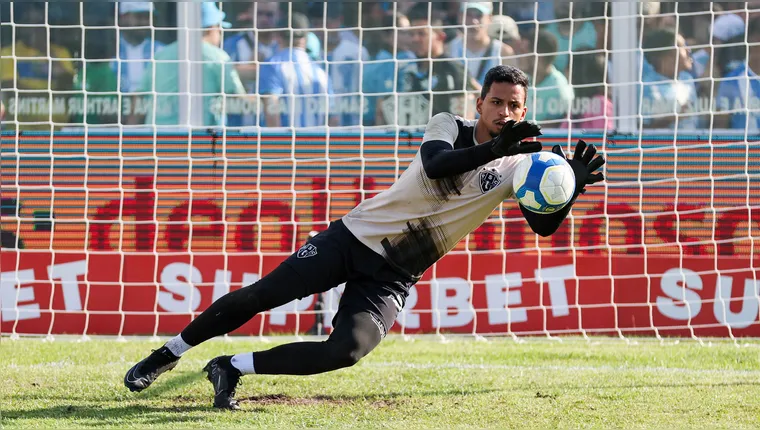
(219, 76)
(724, 28)
(505, 29)
(137, 46)
(477, 50)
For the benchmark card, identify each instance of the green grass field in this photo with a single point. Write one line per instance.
(540, 383)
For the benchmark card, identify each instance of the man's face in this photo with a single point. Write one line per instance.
(503, 102)
(267, 15)
(685, 62)
(404, 42)
(476, 21)
(136, 19)
(213, 35)
(422, 37)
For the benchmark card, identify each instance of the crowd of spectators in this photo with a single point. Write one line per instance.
(350, 64)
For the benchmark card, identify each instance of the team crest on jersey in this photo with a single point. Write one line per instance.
(489, 180)
(306, 251)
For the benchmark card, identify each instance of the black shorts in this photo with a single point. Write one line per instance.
(335, 256)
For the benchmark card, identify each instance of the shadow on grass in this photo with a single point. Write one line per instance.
(169, 383)
(373, 400)
(166, 384)
(96, 415)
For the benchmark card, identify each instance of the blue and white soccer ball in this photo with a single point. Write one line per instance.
(544, 182)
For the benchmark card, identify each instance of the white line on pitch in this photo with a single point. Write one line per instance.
(469, 366)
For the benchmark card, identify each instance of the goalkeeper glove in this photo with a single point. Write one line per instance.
(509, 141)
(584, 164)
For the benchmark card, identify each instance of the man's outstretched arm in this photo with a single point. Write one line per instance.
(440, 159)
(584, 165)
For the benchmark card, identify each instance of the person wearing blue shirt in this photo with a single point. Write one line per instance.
(137, 46)
(295, 90)
(572, 34)
(738, 89)
(383, 74)
(476, 49)
(668, 93)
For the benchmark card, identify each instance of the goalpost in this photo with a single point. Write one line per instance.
(117, 223)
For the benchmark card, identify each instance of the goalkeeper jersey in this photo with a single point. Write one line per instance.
(418, 220)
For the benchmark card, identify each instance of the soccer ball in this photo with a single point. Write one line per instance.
(544, 182)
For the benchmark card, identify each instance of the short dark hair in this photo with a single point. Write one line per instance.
(736, 50)
(422, 11)
(509, 74)
(589, 70)
(658, 39)
(546, 43)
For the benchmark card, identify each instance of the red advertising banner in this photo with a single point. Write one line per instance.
(122, 234)
(108, 293)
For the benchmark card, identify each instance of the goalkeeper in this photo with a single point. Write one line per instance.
(381, 248)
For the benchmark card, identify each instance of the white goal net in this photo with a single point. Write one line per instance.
(155, 156)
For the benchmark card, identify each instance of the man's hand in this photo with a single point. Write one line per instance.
(584, 165)
(510, 140)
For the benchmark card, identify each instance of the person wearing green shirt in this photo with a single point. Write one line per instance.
(219, 77)
(551, 96)
(98, 81)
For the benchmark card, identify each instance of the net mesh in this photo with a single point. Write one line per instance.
(156, 156)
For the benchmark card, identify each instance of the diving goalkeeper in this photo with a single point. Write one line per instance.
(381, 248)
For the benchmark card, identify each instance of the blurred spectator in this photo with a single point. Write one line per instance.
(505, 29)
(476, 49)
(550, 90)
(738, 91)
(294, 89)
(98, 80)
(388, 48)
(581, 33)
(373, 14)
(725, 27)
(653, 16)
(602, 14)
(434, 84)
(753, 38)
(527, 13)
(137, 44)
(257, 43)
(345, 67)
(219, 75)
(31, 69)
(664, 96)
(592, 106)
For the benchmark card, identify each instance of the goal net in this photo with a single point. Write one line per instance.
(157, 156)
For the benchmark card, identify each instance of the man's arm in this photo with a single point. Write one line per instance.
(440, 159)
(584, 164)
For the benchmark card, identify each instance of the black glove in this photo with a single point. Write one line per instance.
(509, 141)
(584, 164)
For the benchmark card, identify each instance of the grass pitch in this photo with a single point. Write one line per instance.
(540, 383)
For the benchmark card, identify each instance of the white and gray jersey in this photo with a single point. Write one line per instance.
(418, 220)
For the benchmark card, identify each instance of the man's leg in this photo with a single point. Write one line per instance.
(317, 267)
(365, 315)
(356, 334)
(226, 314)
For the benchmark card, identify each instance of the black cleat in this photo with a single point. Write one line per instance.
(142, 374)
(225, 378)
